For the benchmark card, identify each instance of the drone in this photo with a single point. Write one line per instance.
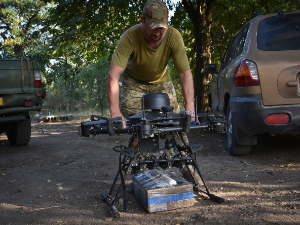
(156, 141)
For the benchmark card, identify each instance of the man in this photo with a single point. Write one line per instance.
(142, 56)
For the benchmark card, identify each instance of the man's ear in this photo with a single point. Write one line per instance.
(142, 19)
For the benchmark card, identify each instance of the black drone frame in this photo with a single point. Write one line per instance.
(154, 131)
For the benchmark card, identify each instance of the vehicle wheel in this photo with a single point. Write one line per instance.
(235, 148)
(19, 133)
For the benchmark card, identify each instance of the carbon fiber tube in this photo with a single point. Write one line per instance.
(178, 129)
(103, 130)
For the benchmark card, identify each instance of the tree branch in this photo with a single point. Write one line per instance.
(192, 13)
(234, 17)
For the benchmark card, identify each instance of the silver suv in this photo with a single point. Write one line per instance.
(257, 85)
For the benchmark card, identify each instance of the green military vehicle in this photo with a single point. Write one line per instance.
(21, 91)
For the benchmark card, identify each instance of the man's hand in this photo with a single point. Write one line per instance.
(193, 116)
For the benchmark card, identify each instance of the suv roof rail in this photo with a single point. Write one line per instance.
(258, 13)
(281, 14)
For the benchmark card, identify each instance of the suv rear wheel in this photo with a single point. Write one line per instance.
(235, 148)
(19, 133)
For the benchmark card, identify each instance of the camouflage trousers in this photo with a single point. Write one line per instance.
(133, 91)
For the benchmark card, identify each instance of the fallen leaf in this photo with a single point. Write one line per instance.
(105, 182)
(59, 184)
(106, 174)
(13, 181)
(3, 174)
(59, 221)
(59, 188)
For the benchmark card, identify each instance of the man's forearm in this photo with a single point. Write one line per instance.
(113, 97)
(187, 86)
(113, 90)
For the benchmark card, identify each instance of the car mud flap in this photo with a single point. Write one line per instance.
(245, 139)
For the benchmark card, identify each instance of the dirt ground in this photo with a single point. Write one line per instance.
(58, 178)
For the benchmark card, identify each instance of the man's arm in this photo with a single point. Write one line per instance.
(113, 90)
(187, 86)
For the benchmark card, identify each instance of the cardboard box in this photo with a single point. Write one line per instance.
(161, 190)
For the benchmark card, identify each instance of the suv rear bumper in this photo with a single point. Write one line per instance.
(12, 119)
(19, 109)
(249, 114)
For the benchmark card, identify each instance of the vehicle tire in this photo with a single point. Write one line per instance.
(19, 133)
(235, 149)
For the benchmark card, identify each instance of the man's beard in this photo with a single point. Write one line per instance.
(155, 38)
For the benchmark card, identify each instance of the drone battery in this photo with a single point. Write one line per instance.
(161, 190)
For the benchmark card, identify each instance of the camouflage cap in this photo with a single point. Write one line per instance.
(156, 14)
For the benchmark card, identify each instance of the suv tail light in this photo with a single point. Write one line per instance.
(37, 79)
(279, 118)
(246, 75)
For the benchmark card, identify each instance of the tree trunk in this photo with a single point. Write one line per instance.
(201, 18)
(19, 49)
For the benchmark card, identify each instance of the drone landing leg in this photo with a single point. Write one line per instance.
(193, 175)
(111, 199)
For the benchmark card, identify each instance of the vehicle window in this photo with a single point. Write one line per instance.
(227, 54)
(236, 47)
(279, 33)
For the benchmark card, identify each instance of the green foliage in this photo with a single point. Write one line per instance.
(73, 88)
(183, 24)
(21, 25)
(62, 90)
(93, 84)
(93, 26)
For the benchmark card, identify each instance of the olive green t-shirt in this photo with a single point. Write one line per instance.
(146, 64)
